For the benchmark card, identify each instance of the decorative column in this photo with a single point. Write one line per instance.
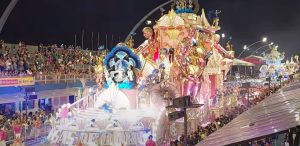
(36, 104)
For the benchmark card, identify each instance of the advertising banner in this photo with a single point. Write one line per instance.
(16, 81)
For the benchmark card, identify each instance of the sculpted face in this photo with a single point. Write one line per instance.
(192, 32)
(217, 38)
(148, 32)
(163, 53)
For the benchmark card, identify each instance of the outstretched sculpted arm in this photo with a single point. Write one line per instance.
(142, 47)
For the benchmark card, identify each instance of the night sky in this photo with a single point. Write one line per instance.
(57, 21)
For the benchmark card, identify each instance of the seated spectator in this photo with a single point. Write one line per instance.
(47, 60)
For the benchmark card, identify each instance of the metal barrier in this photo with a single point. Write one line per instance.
(83, 67)
(61, 78)
(29, 132)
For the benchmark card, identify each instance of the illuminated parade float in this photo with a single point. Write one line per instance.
(180, 56)
(275, 66)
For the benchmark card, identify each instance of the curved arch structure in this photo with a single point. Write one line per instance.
(7, 12)
(145, 17)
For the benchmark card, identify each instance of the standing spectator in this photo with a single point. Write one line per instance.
(38, 126)
(150, 142)
(2, 64)
(8, 64)
(21, 66)
(14, 63)
(17, 127)
(3, 136)
(79, 143)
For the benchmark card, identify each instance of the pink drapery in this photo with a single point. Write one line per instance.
(212, 79)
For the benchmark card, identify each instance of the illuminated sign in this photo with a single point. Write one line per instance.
(16, 81)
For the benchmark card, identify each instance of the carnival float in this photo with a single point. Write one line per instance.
(181, 55)
(274, 66)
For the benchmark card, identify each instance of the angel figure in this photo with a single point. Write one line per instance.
(297, 59)
(216, 23)
(130, 42)
(229, 46)
(182, 4)
(190, 4)
(149, 49)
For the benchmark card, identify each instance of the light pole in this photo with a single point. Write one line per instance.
(280, 77)
(222, 38)
(183, 103)
(263, 40)
(269, 84)
(148, 22)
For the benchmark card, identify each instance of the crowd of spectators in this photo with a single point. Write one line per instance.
(17, 128)
(229, 88)
(46, 60)
(203, 131)
(287, 138)
(263, 94)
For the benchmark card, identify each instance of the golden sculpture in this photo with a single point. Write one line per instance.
(149, 49)
(297, 59)
(274, 55)
(99, 70)
(173, 33)
(194, 67)
(184, 4)
(229, 46)
(99, 66)
(130, 42)
(216, 23)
